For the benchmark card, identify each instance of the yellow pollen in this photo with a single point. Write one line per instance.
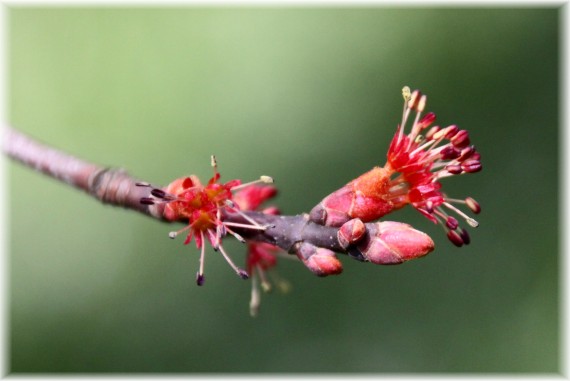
(406, 93)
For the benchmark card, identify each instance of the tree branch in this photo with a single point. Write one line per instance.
(377, 242)
(109, 185)
(116, 187)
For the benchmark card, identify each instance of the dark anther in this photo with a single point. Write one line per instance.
(158, 193)
(471, 166)
(451, 223)
(455, 238)
(465, 236)
(243, 274)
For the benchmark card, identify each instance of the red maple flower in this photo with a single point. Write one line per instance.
(418, 160)
(416, 163)
(203, 207)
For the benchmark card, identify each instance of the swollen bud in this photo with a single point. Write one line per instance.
(367, 197)
(351, 232)
(320, 261)
(333, 209)
(391, 243)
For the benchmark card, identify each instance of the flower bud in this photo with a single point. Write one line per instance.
(365, 197)
(332, 211)
(390, 243)
(351, 232)
(320, 261)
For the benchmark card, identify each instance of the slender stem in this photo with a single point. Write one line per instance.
(109, 185)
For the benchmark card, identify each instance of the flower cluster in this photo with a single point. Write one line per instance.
(418, 160)
(203, 206)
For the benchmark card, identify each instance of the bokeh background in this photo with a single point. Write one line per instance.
(310, 96)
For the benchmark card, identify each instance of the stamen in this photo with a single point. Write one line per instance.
(406, 112)
(432, 131)
(415, 129)
(422, 103)
(221, 230)
(158, 193)
(241, 273)
(472, 222)
(446, 133)
(413, 103)
(214, 164)
(245, 226)
(255, 300)
(461, 139)
(173, 234)
(471, 166)
(147, 201)
(455, 238)
(454, 169)
(236, 235)
(249, 219)
(449, 153)
(451, 223)
(142, 184)
(262, 179)
(465, 236)
(422, 147)
(473, 205)
(265, 285)
(406, 93)
(282, 285)
(443, 174)
(466, 153)
(213, 239)
(200, 276)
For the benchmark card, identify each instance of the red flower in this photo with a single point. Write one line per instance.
(202, 206)
(416, 163)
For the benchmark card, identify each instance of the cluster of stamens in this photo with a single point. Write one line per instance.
(261, 257)
(419, 159)
(204, 207)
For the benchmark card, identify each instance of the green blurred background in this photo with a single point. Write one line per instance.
(310, 96)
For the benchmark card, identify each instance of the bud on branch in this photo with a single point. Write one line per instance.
(116, 187)
(343, 222)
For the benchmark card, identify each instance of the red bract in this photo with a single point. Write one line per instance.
(417, 161)
(203, 206)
